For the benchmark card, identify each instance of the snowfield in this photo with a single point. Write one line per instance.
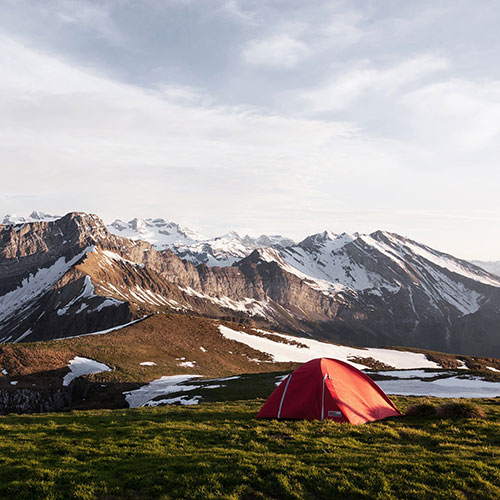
(450, 387)
(411, 374)
(282, 352)
(160, 233)
(102, 332)
(163, 386)
(83, 366)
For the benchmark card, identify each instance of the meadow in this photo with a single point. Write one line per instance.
(218, 450)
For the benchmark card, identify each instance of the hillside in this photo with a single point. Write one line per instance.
(179, 356)
(220, 451)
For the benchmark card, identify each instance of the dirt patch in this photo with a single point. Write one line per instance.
(19, 360)
(371, 363)
(275, 338)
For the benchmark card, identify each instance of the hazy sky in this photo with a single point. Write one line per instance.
(269, 116)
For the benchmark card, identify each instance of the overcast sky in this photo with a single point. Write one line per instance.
(269, 116)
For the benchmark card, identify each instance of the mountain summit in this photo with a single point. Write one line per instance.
(73, 275)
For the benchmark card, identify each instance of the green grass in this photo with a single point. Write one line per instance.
(219, 450)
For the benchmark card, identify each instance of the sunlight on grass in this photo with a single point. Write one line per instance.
(219, 450)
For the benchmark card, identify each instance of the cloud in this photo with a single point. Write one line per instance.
(234, 9)
(57, 16)
(277, 51)
(456, 115)
(85, 141)
(342, 91)
(275, 116)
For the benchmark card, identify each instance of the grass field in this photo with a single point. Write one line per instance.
(219, 450)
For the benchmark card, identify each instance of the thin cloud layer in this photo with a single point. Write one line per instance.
(286, 117)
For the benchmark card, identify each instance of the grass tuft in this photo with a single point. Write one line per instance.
(460, 410)
(421, 410)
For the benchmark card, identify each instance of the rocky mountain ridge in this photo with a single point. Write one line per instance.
(493, 267)
(219, 251)
(72, 276)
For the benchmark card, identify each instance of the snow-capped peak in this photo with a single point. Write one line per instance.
(230, 235)
(327, 241)
(35, 216)
(222, 250)
(273, 240)
(159, 232)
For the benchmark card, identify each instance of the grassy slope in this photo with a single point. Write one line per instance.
(219, 450)
(163, 339)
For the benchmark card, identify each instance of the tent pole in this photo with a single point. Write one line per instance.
(323, 398)
(284, 392)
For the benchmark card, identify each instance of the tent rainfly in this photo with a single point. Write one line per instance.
(328, 389)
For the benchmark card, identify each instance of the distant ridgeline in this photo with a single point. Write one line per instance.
(73, 275)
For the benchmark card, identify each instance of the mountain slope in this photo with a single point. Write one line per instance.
(35, 216)
(493, 267)
(398, 287)
(72, 276)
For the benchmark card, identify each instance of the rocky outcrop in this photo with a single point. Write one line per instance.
(33, 400)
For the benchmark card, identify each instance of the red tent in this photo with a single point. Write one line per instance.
(328, 389)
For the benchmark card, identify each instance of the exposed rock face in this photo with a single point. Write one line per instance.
(33, 401)
(72, 276)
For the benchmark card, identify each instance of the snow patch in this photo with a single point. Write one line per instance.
(183, 400)
(451, 387)
(83, 366)
(109, 330)
(109, 302)
(247, 305)
(407, 374)
(188, 364)
(283, 352)
(88, 291)
(24, 335)
(165, 385)
(35, 285)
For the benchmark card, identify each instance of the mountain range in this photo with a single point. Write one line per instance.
(220, 251)
(73, 275)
